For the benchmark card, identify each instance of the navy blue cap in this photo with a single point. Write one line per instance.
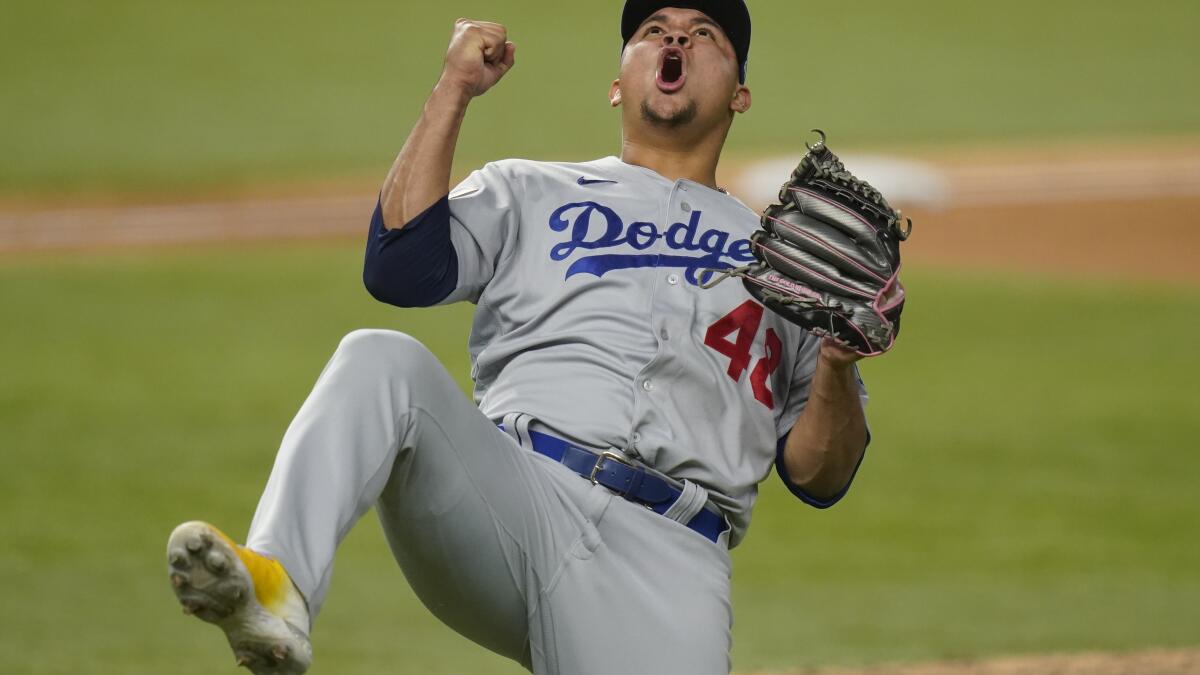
(731, 15)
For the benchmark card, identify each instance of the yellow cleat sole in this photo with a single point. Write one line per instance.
(211, 581)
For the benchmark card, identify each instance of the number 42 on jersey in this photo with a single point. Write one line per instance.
(742, 324)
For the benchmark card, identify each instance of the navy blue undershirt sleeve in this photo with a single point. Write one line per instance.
(781, 469)
(415, 266)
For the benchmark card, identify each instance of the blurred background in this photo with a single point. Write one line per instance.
(184, 190)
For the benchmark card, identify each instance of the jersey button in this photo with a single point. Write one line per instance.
(672, 278)
(648, 385)
(664, 334)
(685, 206)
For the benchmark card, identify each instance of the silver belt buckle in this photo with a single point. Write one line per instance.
(608, 454)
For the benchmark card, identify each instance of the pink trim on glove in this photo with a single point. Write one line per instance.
(828, 247)
(832, 282)
(820, 197)
(786, 285)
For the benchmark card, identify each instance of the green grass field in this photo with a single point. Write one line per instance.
(1031, 486)
(133, 94)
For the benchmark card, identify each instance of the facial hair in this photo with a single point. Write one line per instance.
(677, 119)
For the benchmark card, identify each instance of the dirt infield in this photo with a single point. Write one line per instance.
(1149, 662)
(1109, 211)
(1103, 211)
(1107, 238)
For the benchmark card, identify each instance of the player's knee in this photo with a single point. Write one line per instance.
(380, 349)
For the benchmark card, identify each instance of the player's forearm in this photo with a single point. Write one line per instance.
(421, 173)
(828, 439)
(478, 56)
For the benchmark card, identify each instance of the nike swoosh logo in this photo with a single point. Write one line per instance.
(593, 181)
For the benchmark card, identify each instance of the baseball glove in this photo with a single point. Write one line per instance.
(829, 256)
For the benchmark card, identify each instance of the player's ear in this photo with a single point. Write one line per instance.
(614, 94)
(741, 99)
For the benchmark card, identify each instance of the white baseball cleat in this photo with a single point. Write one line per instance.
(250, 596)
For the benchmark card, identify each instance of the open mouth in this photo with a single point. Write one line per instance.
(671, 70)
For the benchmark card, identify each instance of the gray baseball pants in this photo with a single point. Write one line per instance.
(507, 547)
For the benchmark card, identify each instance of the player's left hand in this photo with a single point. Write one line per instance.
(836, 355)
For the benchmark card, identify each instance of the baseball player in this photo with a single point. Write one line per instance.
(577, 516)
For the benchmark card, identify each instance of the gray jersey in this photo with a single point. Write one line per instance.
(591, 319)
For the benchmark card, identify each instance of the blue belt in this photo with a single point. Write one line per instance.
(616, 472)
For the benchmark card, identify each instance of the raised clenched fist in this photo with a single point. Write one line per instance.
(478, 56)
